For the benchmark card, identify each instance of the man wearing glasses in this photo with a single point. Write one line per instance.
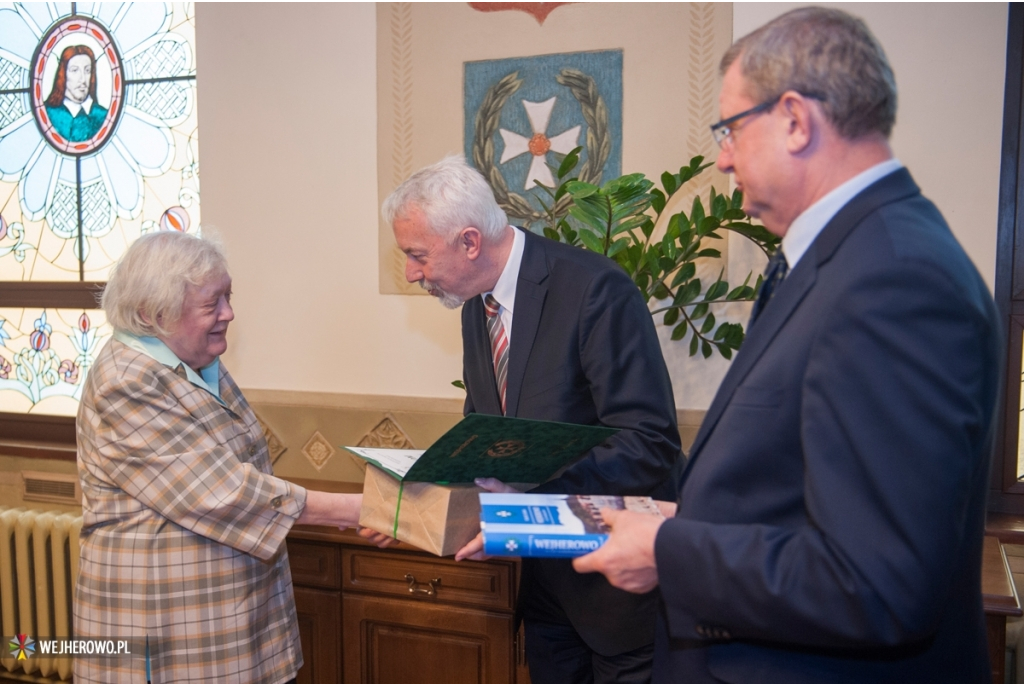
(830, 519)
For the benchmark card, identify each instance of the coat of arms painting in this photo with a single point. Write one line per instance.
(522, 113)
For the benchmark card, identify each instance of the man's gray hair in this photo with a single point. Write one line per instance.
(452, 196)
(153, 276)
(823, 53)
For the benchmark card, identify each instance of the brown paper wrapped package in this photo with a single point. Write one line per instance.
(436, 518)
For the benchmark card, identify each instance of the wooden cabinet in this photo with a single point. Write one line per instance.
(400, 615)
(320, 633)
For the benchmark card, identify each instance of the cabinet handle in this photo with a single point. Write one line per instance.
(416, 588)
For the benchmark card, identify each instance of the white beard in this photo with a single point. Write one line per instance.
(447, 299)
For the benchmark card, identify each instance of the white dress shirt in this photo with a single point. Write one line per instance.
(505, 289)
(806, 227)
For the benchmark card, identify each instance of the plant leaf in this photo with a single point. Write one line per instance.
(669, 182)
(591, 241)
(689, 291)
(708, 224)
(697, 212)
(658, 200)
(618, 246)
(717, 289)
(580, 190)
(718, 205)
(570, 161)
(685, 273)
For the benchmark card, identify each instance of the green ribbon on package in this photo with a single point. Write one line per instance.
(398, 507)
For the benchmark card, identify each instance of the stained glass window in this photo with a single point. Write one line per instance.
(98, 145)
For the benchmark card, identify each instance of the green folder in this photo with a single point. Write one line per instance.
(510, 449)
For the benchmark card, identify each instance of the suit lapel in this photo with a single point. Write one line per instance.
(896, 186)
(785, 301)
(531, 292)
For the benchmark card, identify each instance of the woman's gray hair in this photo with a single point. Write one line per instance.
(826, 54)
(152, 278)
(452, 196)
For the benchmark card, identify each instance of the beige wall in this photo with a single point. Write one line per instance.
(287, 102)
(288, 117)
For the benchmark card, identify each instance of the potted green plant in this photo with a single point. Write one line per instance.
(618, 219)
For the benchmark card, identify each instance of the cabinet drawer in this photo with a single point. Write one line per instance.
(486, 585)
(315, 565)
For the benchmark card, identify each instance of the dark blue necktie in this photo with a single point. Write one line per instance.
(773, 275)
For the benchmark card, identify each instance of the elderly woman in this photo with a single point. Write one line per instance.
(183, 540)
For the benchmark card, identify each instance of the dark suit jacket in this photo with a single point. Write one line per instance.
(583, 350)
(831, 516)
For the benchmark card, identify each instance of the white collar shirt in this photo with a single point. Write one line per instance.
(505, 289)
(74, 107)
(806, 227)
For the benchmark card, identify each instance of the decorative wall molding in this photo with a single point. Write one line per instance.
(387, 434)
(318, 450)
(274, 443)
(401, 88)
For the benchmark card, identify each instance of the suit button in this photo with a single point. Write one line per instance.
(702, 631)
(252, 450)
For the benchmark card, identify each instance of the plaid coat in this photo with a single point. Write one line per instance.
(183, 532)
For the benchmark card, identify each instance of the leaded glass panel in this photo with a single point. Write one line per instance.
(98, 145)
(98, 140)
(45, 355)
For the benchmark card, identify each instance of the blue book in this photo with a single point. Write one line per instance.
(537, 525)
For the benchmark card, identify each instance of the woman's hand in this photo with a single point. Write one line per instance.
(379, 539)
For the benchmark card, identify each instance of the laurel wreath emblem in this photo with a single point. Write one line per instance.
(598, 144)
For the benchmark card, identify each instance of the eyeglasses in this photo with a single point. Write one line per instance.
(722, 131)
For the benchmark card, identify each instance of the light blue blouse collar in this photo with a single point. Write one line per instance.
(208, 377)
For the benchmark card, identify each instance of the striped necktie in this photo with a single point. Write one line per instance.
(773, 275)
(499, 346)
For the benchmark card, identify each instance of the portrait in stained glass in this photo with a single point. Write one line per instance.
(98, 145)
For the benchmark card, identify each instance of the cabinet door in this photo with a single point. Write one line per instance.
(319, 614)
(403, 641)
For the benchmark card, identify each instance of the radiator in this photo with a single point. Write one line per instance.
(38, 567)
